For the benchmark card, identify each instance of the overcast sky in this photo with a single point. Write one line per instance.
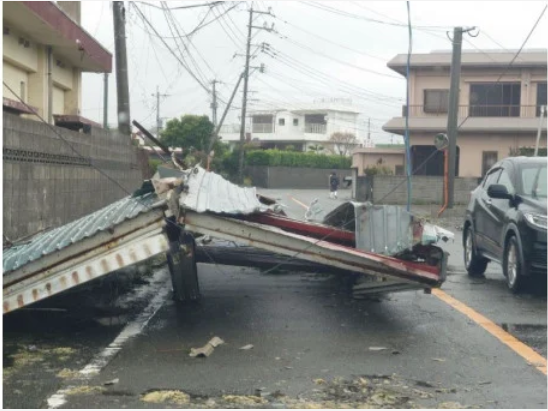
(317, 50)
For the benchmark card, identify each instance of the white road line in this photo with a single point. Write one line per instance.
(160, 290)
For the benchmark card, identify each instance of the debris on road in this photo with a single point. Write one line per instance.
(68, 374)
(377, 348)
(244, 400)
(247, 347)
(112, 382)
(169, 396)
(84, 390)
(389, 247)
(207, 349)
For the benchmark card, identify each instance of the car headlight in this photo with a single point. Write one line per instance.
(537, 220)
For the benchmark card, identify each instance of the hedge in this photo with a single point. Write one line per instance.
(529, 151)
(277, 158)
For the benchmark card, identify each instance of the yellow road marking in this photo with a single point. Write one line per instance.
(530, 355)
(299, 203)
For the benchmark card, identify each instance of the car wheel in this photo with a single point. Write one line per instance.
(513, 266)
(475, 265)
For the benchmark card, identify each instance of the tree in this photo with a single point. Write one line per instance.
(190, 132)
(343, 142)
(315, 148)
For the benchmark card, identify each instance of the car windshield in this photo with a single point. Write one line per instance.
(533, 180)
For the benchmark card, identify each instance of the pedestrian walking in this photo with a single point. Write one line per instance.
(333, 185)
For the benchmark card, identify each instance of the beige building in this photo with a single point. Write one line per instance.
(390, 158)
(499, 106)
(45, 53)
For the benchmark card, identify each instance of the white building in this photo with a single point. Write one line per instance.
(302, 128)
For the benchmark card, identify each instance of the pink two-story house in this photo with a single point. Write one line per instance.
(499, 106)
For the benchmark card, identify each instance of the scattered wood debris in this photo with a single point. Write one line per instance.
(207, 349)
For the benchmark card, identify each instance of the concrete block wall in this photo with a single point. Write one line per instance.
(290, 177)
(425, 189)
(47, 184)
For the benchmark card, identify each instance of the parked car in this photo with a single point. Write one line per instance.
(506, 221)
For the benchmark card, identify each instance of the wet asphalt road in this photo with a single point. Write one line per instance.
(306, 332)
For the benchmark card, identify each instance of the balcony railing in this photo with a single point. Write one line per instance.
(315, 128)
(476, 110)
(262, 128)
(230, 128)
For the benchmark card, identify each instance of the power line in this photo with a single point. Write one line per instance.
(345, 63)
(315, 93)
(328, 80)
(493, 40)
(143, 17)
(228, 31)
(171, 22)
(212, 4)
(399, 22)
(333, 10)
(330, 41)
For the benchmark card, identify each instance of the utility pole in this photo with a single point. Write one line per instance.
(369, 129)
(122, 83)
(105, 100)
(214, 104)
(246, 81)
(452, 115)
(49, 51)
(158, 118)
(244, 99)
(542, 110)
(218, 126)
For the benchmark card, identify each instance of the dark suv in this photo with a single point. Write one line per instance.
(506, 221)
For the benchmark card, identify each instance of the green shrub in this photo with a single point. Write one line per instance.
(278, 158)
(530, 151)
(153, 164)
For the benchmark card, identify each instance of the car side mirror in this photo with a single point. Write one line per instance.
(499, 191)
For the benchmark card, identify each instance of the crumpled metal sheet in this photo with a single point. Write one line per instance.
(209, 192)
(382, 229)
(59, 238)
(386, 229)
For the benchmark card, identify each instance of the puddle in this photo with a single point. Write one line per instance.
(113, 320)
(524, 328)
(533, 335)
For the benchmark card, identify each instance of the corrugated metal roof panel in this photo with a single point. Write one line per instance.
(208, 191)
(78, 230)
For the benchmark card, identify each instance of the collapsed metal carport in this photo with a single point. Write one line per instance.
(389, 248)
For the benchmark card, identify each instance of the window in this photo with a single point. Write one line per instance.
(541, 96)
(281, 121)
(495, 100)
(262, 124)
(506, 181)
(489, 158)
(315, 123)
(436, 101)
(428, 161)
(491, 178)
(295, 122)
(23, 91)
(533, 181)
